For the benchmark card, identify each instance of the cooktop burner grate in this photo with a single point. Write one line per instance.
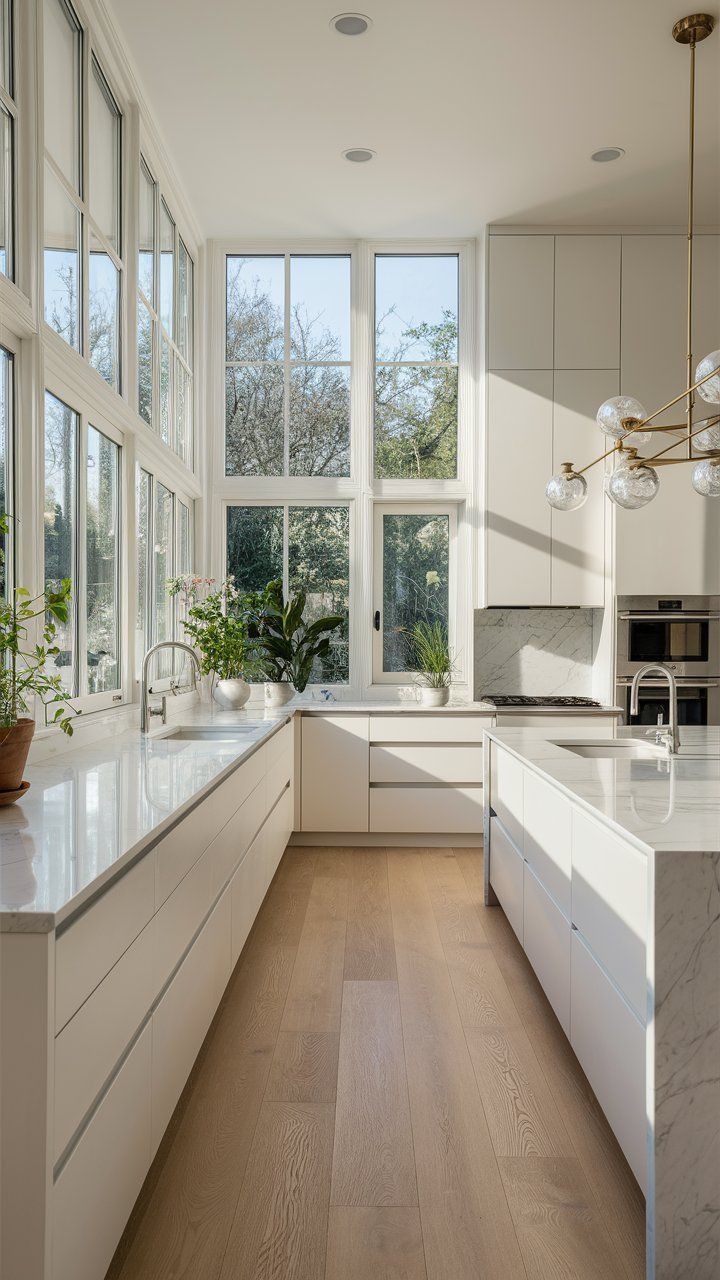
(525, 700)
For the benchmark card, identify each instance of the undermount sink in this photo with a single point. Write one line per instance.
(208, 733)
(631, 749)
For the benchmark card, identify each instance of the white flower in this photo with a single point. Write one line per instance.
(432, 578)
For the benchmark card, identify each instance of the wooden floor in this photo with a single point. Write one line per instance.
(385, 1093)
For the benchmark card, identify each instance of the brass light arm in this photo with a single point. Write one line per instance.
(617, 447)
(658, 457)
(682, 396)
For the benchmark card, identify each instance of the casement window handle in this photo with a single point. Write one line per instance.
(376, 620)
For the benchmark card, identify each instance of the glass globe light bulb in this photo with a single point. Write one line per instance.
(567, 491)
(707, 440)
(633, 487)
(611, 414)
(706, 478)
(709, 390)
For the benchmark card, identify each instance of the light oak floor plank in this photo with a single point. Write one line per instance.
(304, 1067)
(315, 996)
(369, 947)
(280, 1226)
(373, 1159)
(374, 1244)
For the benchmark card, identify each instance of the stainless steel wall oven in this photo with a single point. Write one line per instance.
(684, 634)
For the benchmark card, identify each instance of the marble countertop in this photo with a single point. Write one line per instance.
(670, 804)
(93, 809)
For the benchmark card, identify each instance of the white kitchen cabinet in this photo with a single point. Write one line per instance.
(440, 727)
(506, 792)
(248, 891)
(587, 302)
(547, 842)
(431, 762)
(507, 875)
(670, 546)
(519, 462)
(335, 772)
(520, 302)
(546, 939)
(609, 1042)
(577, 571)
(432, 809)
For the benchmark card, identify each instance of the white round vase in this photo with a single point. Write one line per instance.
(434, 697)
(231, 694)
(277, 693)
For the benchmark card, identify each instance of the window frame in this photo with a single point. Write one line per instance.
(9, 102)
(11, 543)
(146, 464)
(86, 703)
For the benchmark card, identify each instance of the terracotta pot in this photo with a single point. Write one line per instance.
(14, 747)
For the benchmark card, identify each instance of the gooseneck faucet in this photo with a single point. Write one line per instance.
(147, 711)
(670, 736)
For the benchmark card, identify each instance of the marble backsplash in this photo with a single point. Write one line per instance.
(534, 651)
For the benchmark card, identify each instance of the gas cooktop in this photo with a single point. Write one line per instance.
(524, 700)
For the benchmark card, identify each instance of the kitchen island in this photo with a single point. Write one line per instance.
(605, 857)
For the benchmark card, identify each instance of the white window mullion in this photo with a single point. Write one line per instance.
(80, 575)
(286, 371)
(286, 549)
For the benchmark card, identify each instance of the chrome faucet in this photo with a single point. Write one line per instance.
(666, 734)
(146, 711)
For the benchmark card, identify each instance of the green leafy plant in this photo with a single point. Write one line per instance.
(23, 672)
(287, 645)
(431, 652)
(217, 625)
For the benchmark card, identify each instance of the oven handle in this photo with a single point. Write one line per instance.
(669, 616)
(682, 682)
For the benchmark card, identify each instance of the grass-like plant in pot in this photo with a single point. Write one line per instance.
(23, 674)
(434, 661)
(287, 645)
(217, 626)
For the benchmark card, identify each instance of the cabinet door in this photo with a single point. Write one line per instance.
(546, 938)
(520, 302)
(578, 537)
(248, 890)
(335, 773)
(519, 464)
(587, 302)
(547, 823)
(506, 875)
(670, 546)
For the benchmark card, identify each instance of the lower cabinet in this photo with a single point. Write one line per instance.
(507, 875)
(335, 769)
(609, 1042)
(546, 938)
(436, 809)
(247, 893)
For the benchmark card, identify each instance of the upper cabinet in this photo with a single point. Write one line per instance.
(553, 356)
(673, 544)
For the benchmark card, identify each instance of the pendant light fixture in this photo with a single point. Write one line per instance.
(634, 480)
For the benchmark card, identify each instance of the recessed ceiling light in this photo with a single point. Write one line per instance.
(358, 155)
(605, 154)
(351, 24)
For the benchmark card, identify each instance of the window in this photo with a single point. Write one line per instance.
(8, 127)
(83, 250)
(287, 371)
(416, 366)
(413, 580)
(6, 484)
(165, 550)
(307, 546)
(82, 542)
(165, 322)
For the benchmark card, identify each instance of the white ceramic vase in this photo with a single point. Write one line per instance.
(277, 693)
(434, 697)
(231, 694)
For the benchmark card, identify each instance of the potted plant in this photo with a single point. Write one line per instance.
(435, 663)
(287, 645)
(23, 675)
(216, 625)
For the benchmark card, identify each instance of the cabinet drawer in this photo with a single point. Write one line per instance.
(279, 744)
(89, 1046)
(409, 727)
(92, 944)
(426, 809)
(546, 823)
(279, 830)
(96, 1190)
(179, 918)
(247, 893)
(230, 846)
(506, 875)
(279, 774)
(610, 1044)
(506, 792)
(609, 905)
(546, 939)
(437, 763)
(177, 852)
(181, 1020)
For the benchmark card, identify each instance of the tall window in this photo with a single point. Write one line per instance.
(412, 581)
(308, 547)
(164, 549)
(164, 322)
(82, 542)
(287, 370)
(416, 366)
(6, 484)
(83, 247)
(8, 130)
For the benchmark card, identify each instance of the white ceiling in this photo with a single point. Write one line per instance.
(478, 113)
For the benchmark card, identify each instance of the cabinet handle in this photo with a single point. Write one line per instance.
(376, 620)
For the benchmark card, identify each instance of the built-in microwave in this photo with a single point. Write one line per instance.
(681, 632)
